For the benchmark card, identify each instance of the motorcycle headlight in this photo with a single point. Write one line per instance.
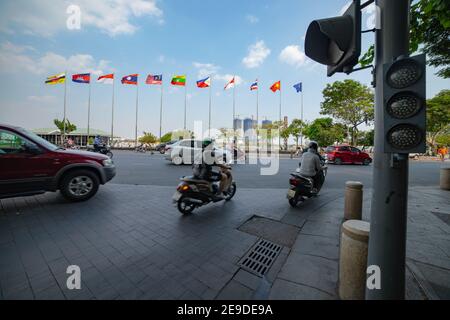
(108, 163)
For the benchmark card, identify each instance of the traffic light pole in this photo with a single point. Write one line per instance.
(387, 244)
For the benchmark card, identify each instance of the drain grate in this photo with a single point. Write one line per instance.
(261, 257)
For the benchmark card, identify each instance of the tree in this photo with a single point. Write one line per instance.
(70, 127)
(429, 33)
(350, 102)
(296, 129)
(438, 117)
(177, 135)
(166, 138)
(148, 138)
(325, 132)
(367, 138)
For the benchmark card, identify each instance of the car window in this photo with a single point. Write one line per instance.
(330, 149)
(40, 140)
(355, 150)
(198, 144)
(344, 149)
(185, 143)
(12, 143)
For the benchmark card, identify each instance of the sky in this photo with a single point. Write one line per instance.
(251, 39)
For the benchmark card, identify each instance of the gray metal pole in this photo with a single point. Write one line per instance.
(137, 109)
(160, 114)
(112, 112)
(387, 243)
(89, 110)
(65, 109)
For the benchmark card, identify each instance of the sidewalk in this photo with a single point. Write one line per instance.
(311, 269)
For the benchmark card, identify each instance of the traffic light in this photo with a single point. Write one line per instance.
(336, 42)
(404, 105)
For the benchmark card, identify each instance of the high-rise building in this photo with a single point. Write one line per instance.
(248, 125)
(237, 123)
(266, 123)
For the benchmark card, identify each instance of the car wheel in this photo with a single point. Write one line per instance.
(177, 160)
(338, 161)
(79, 185)
(366, 162)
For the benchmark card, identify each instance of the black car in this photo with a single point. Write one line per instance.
(162, 146)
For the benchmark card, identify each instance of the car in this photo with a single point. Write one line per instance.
(31, 165)
(161, 148)
(346, 155)
(184, 151)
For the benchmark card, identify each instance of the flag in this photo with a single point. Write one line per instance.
(60, 78)
(154, 79)
(230, 84)
(106, 79)
(179, 81)
(205, 83)
(254, 86)
(82, 78)
(299, 87)
(276, 86)
(131, 79)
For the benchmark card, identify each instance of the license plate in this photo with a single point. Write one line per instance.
(176, 196)
(291, 194)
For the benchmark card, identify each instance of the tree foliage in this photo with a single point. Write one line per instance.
(438, 117)
(429, 33)
(325, 132)
(296, 129)
(350, 102)
(70, 127)
(148, 138)
(366, 138)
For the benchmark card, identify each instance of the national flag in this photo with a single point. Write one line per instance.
(59, 78)
(276, 86)
(205, 83)
(230, 84)
(254, 86)
(299, 87)
(82, 78)
(106, 79)
(179, 81)
(157, 80)
(131, 79)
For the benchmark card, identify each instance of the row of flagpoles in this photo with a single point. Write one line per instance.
(132, 79)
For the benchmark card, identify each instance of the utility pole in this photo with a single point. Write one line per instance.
(387, 243)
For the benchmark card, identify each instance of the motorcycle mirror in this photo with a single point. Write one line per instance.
(297, 170)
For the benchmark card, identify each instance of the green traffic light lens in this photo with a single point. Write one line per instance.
(404, 73)
(404, 105)
(404, 136)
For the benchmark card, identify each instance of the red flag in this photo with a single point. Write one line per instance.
(276, 86)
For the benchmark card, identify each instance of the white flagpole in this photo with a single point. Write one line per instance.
(257, 120)
(185, 104)
(112, 110)
(301, 137)
(136, 128)
(89, 108)
(234, 112)
(65, 107)
(160, 114)
(210, 92)
(281, 123)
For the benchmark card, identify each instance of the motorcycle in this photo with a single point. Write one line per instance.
(302, 187)
(103, 149)
(193, 193)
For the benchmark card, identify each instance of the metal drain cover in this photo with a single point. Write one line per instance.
(260, 257)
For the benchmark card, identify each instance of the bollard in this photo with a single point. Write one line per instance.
(445, 178)
(353, 200)
(353, 260)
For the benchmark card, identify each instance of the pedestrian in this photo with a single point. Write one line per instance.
(442, 152)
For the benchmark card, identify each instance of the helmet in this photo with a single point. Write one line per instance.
(206, 143)
(313, 145)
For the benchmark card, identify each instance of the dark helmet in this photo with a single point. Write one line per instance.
(313, 145)
(206, 143)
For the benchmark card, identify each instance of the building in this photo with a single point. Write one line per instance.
(79, 136)
(237, 124)
(266, 123)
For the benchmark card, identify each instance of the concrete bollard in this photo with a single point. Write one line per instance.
(445, 178)
(353, 200)
(353, 260)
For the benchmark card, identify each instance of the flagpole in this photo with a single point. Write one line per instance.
(234, 112)
(185, 104)
(301, 133)
(112, 111)
(89, 109)
(279, 131)
(65, 106)
(257, 120)
(160, 114)
(210, 92)
(136, 128)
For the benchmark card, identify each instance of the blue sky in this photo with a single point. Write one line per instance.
(251, 39)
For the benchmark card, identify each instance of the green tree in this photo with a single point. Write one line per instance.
(296, 129)
(438, 117)
(70, 127)
(367, 138)
(325, 132)
(429, 33)
(148, 138)
(166, 138)
(350, 102)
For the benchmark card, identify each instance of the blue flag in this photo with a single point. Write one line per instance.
(299, 87)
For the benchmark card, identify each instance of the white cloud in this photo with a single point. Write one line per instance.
(48, 17)
(209, 69)
(252, 19)
(14, 59)
(293, 56)
(257, 53)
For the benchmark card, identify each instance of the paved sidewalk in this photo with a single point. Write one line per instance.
(131, 243)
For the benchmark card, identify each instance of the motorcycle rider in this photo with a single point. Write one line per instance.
(97, 143)
(311, 167)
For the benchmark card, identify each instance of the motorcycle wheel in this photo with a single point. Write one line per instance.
(109, 154)
(231, 192)
(184, 207)
(293, 202)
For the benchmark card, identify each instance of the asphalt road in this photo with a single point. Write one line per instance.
(146, 169)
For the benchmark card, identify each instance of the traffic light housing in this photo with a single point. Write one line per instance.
(404, 105)
(336, 42)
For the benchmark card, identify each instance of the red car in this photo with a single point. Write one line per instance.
(30, 165)
(346, 154)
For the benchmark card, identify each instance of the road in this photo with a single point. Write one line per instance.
(146, 169)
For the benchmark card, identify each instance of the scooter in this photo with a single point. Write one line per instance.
(193, 193)
(302, 187)
(104, 149)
